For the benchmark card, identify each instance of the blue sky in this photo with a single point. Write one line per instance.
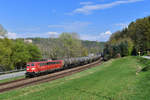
(91, 19)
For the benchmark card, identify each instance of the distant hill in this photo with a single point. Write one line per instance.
(46, 44)
(93, 46)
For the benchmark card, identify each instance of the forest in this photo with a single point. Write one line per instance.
(132, 40)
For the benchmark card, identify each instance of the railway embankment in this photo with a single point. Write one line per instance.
(117, 79)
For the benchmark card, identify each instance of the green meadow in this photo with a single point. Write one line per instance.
(116, 79)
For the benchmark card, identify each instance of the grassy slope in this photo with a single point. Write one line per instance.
(113, 80)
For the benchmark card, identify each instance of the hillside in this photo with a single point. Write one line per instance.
(52, 47)
(117, 79)
(86, 43)
(93, 46)
(132, 40)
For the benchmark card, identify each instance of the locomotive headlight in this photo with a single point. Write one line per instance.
(27, 68)
(33, 69)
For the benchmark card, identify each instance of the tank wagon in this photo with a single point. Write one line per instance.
(37, 68)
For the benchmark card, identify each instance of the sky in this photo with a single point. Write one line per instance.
(93, 20)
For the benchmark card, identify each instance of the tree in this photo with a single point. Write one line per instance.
(124, 48)
(5, 53)
(20, 55)
(133, 39)
(71, 45)
(23, 53)
(16, 53)
(139, 32)
(3, 32)
(34, 52)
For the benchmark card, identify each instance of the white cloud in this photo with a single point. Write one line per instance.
(53, 34)
(89, 37)
(97, 37)
(86, 3)
(107, 33)
(146, 13)
(87, 9)
(72, 26)
(56, 26)
(12, 35)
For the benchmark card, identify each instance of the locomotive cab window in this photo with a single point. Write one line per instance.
(32, 64)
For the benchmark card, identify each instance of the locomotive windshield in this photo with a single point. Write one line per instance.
(30, 65)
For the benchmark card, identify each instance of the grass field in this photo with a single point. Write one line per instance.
(117, 79)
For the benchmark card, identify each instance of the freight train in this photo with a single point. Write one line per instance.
(37, 68)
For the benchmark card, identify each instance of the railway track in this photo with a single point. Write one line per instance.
(26, 82)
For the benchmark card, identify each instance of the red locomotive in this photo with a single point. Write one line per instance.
(37, 68)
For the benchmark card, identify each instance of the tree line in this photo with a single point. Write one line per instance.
(133, 40)
(67, 45)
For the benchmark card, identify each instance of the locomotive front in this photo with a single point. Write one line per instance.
(31, 69)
